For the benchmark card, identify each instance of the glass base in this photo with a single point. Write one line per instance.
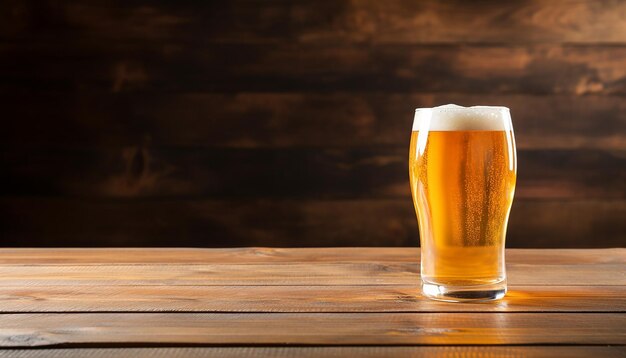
(473, 293)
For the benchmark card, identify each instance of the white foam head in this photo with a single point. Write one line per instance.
(451, 117)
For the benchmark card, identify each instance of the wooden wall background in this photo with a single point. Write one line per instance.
(287, 123)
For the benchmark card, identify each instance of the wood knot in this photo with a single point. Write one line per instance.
(25, 340)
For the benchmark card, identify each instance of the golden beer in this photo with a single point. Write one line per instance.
(462, 167)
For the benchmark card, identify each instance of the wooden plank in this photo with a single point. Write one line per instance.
(156, 222)
(324, 352)
(396, 21)
(566, 256)
(258, 255)
(477, 69)
(298, 299)
(378, 171)
(322, 274)
(37, 330)
(212, 274)
(191, 172)
(279, 120)
(528, 274)
(205, 223)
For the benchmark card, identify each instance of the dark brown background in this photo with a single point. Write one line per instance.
(286, 123)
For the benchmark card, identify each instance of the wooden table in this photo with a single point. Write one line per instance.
(330, 302)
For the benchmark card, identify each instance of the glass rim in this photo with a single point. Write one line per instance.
(452, 117)
(461, 108)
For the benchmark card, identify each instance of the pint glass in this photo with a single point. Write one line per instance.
(462, 168)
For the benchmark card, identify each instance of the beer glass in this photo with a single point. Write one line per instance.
(462, 167)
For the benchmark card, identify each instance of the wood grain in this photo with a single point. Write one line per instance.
(201, 107)
(131, 299)
(577, 351)
(80, 298)
(320, 274)
(379, 171)
(366, 21)
(258, 255)
(213, 274)
(476, 69)
(155, 222)
(285, 120)
(37, 330)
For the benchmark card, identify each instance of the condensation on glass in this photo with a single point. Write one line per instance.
(462, 167)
